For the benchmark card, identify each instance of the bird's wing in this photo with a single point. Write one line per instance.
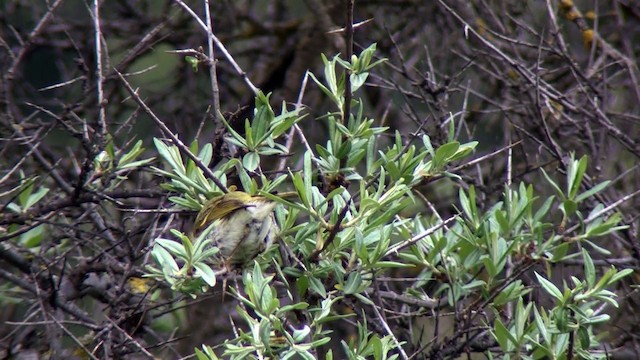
(223, 208)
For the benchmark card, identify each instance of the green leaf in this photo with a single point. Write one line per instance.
(251, 161)
(193, 61)
(298, 184)
(189, 204)
(136, 164)
(549, 287)
(464, 151)
(33, 238)
(585, 338)
(171, 155)
(469, 206)
(206, 154)
(502, 335)
(207, 274)
(513, 291)
(239, 139)
(34, 198)
(594, 190)
(544, 209)
(330, 75)
(502, 221)
(589, 268)
(173, 247)
(200, 355)
(594, 229)
(575, 174)
(452, 128)
(541, 325)
(299, 335)
(285, 121)
(263, 118)
(307, 172)
(445, 152)
(186, 243)
(364, 299)
(619, 275)
(562, 319)
(353, 283)
(164, 258)
(293, 307)
(324, 89)
(14, 207)
(555, 186)
(344, 150)
(569, 207)
(316, 285)
(25, 192)
(248, 135)
(357, 80)
(132, 154)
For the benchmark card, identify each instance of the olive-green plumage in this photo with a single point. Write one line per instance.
(244, 225)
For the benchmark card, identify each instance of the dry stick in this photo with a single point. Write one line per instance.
(428, 303)
(179, 144)
(102, 116)
(355, 26)
(133, 341)
(597, 215)
(74, 338)
(607, 48)
(291, 134)
(601, 117)
(349, 53)
(633, 66)
(485, 157)
(220, 46)
(509, 265)
(397, 247)
(479, 304)
(527, 74)
(215, 90)
(389, 332)
(346, 110)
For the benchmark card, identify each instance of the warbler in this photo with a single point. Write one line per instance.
(244, 226)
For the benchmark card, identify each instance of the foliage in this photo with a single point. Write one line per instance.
(344, 241)
(466, 186)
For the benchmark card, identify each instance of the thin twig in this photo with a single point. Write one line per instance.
(177, 142)
(102, 116)
(346, 111)
(132, 340)
(390, 333)
(215, 90)
(597, 215)
(291, 135)
(220, 46)
(73, 337)
(397, 247)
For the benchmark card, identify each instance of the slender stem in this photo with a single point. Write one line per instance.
(221, 47)
(215, 90)
(349, 52)
(346, 110)
(102, 116)
(181, 146)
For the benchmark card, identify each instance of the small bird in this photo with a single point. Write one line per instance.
(244, 226)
